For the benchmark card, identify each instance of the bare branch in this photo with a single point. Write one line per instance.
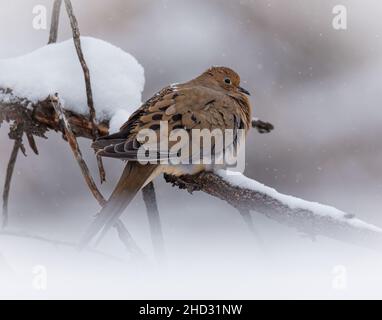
(262, 126)
(8, 179)
(101, 169)
(55, 20)
(85, 69)
(150, 200)
(32, 143)
(76, 151)
(127, 239)
(123, 233)
(246, 215)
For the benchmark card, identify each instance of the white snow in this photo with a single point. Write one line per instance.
(119, 118)
(117, 78)
(242, 181)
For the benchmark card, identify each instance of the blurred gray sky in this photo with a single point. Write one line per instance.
(320, 87)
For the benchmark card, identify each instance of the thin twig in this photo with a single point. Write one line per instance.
(262, 126)
(8, 179)
(150, 200)
(246, 215)
(123, 233)
(85, 69)
(55, 20)
(101, 169)
(21, 234)
(76, 150)
(32, 142)
(127, 239)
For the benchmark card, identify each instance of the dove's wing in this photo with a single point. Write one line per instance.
(183, 107)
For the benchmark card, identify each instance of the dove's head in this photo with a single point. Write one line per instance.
(223, 78)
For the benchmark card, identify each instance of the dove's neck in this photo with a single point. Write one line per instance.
(241, 99)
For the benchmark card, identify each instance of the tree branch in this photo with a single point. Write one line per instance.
(84, 66)
(85, 69)
(262, 126)
(150, 200)
(310, 218)
(127, 239)
(8, 179)
(37, 118)
(123, 233)
(76, 150)
(55, 20)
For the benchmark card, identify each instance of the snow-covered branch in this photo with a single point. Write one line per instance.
(308, 217)
(117, 79)
(39, 117)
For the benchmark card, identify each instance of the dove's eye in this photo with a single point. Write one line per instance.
(227, 81)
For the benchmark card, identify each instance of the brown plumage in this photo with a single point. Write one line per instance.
(213, 100)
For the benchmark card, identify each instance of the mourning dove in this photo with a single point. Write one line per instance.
(213, 100)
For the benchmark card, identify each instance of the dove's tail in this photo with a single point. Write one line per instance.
(134, 177)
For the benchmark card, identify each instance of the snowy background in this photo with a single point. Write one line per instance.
(321, 89)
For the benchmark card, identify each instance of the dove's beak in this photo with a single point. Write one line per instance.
(242, 90)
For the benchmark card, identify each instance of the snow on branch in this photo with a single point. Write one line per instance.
(117, 79)
(37, 117)
(308, 217)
